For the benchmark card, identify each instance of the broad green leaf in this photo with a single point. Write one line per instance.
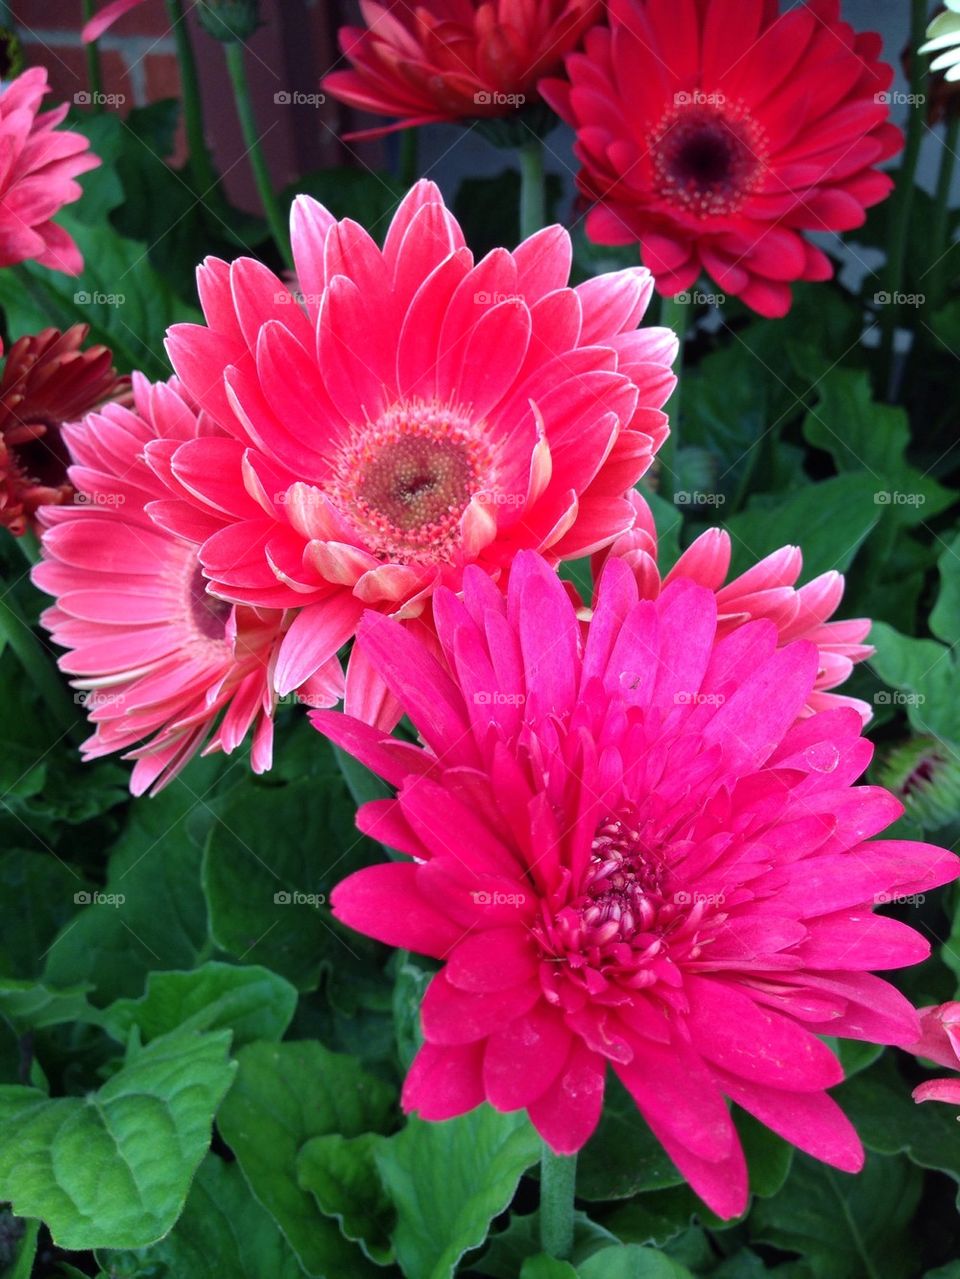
(631, 1261)
(945, 614)
(252, 1002)
(102, 188)
(268, 895)
(623, 1156)
(29, 1005)
(223, 1231)
(925, 675)
(341, 1174)
(845, 1226)
(151, 913)
(449, 1180)
(112, 1169)
(366, 196)
(41, 891)
(126, 303)
(828, 521)
(505, 1254)
(544, 1267)
(284, 1095)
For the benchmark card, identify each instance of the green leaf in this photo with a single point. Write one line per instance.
(449, 1180)
(945, 614)
(223, 1231)
(128, 305)
(828, 521)
(506, 1252)
(863, 435)
(845, 1226)
(284, 1095)
(252, 1002)
(341, 1174)
(30, 1005)
(152, 912)
(622, 1157)
(362, 194)
(268, 895)
(40, 890)
(631, 1261)
(925, 675)
(544, 1267)
(113, 1168)
(102, 188)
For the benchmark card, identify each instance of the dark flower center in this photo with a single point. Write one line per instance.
(207, 613)
(708, 157)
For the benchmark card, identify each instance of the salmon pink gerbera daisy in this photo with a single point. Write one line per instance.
(631, 853)
(39, 165)
(162, 660)
(717, 133)
(451, 60)
(767, 589)
(419, 413)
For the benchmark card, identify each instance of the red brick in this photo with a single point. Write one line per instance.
(149, 19)
(67, 71)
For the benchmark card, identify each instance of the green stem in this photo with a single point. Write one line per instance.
(902, 198)
(409, 157)
(558, 1180)
(675, 315)
(94, 69)
(940, 230)
(16, 632)
(248, 125)
(201, 165)
(532, 200)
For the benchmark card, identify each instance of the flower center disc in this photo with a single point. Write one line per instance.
(407, 479)
(207, 614)
(708, 157)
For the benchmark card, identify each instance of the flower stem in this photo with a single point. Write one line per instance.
(558, 1179)
(201, 165)
(675, 315)
(15, 632)
(902, 198)
(409, 157)
(532, 199)
(248, 125)
(94, 69)
(940, 233)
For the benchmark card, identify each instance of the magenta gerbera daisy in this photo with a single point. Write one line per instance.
(167, 668)
(717, 133)
(632, 854)
(418, 412)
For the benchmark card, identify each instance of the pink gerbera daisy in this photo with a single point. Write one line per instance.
(38, 171)
(162, 659)
(940, 1042)
(420, 413)
(768, 589)
(717, 132)
(632, 854)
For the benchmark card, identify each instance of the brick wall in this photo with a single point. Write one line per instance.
(287, 56)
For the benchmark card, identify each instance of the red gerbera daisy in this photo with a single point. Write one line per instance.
(161, 659)
(715, 132)
(632, 854)
(47, 380)
(454, 59)
(420, 414)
